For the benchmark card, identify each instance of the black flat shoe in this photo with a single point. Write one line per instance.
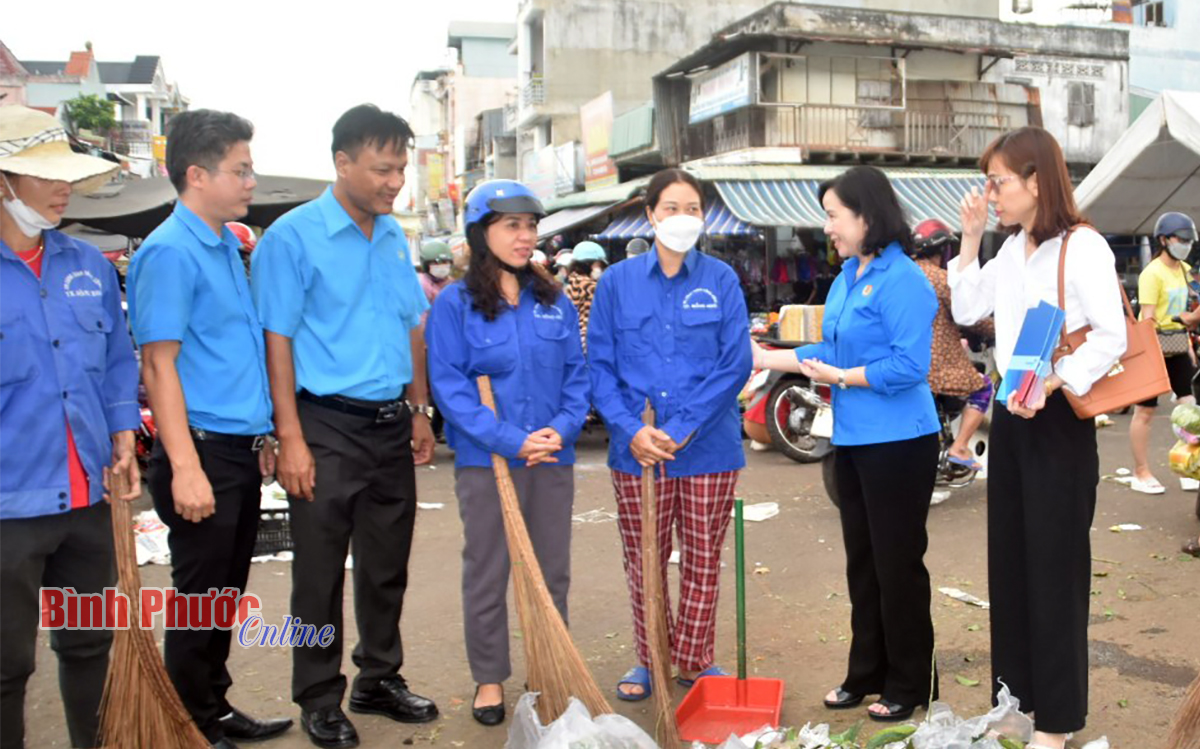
(896, 711)
(844, 700)
(488, 715)
(238, 725)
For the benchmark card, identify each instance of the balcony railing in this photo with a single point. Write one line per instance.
(817, 128)
(533, 93)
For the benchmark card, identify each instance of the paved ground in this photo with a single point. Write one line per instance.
(1143, 641)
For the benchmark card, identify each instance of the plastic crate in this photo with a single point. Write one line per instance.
(274, 533)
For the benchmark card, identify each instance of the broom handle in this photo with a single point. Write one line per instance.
(740, 551)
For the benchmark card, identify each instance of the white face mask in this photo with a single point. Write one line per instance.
(679, 233)
(440, 270)
(30, 222)
(1179, 250)
(596, 273)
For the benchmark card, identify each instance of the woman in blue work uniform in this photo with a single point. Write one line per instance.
(670, 326)
(510, 321)
(878, 336)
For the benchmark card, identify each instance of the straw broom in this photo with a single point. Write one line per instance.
(553, 665)
(1185, 729)
(140, 709)
(666, 730)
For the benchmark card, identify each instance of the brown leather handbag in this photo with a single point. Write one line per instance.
(1141, 373)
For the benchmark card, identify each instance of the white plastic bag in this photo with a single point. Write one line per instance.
(574, 729)
(942, 729)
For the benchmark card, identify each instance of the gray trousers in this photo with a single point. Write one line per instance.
(546, 493)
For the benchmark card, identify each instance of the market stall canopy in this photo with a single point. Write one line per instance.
(1153, 168)
(136, 207)
(101, 240)
(786, 195)
(719, 221)
(569, 218)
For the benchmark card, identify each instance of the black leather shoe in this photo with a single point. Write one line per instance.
(328, 727)
(223, 744)
(391, 698)
(238, 725)
(489, 715)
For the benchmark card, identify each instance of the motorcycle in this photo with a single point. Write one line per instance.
(949, 475)
(782, 408)
(795, 416)
(147, 432)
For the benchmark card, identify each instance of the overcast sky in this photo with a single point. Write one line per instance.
(290, 70)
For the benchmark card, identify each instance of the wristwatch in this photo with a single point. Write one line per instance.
(424, 409)
(841, 382)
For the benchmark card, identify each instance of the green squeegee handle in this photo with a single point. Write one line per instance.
(740, 550)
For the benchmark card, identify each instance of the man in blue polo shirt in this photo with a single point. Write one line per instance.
(339, 298)
(204, 365)
(68, 408)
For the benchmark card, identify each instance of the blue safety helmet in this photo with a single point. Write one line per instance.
(1175, 224)
(500, 196)
(589, 252)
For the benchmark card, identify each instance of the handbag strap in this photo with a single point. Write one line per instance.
(1062, 286)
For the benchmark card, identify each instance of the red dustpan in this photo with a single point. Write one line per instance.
(717, 706)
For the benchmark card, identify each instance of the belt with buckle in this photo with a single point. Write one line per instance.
(252, 442)
(382, 412)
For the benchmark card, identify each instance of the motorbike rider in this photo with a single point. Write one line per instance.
(950, 372)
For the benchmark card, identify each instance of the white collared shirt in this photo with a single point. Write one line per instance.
(1009, 285)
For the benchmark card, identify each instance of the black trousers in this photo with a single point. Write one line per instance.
(1042, 477)
(73, 550)
(214, 553)
(365, 500)
(885, 492)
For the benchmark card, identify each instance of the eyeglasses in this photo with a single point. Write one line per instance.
(996, 182)
(245, 175)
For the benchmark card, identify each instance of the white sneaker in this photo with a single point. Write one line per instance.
(1188, 485)
(759, 447)
(1147, 486)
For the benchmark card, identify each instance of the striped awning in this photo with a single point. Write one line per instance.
(793, 202)
(719, 221)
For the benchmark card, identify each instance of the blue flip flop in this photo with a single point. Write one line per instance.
(710, 671)
(638, 676)
(973, 464)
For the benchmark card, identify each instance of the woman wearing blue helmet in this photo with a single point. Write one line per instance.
(1164, 296)
(509, 320)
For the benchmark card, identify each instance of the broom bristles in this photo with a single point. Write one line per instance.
(553, 665)
(1185, 729)
(140, 708)
(657, 635)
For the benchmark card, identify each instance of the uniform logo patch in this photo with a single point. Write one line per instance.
(542, 312)
(82, 283)
(701, 299)
(868, 289)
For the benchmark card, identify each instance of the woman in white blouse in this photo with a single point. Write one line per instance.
(1043, 463)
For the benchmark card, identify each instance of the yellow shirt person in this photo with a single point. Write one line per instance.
(1164, 291)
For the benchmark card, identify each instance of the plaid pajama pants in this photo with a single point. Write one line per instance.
(698, 509)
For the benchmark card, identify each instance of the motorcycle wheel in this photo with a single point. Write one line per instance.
(829, 478)
(790, 436)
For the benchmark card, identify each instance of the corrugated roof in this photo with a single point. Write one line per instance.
(43, 67)
(633, 131)
(615, 194)
(787, 196)
(114, 72)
